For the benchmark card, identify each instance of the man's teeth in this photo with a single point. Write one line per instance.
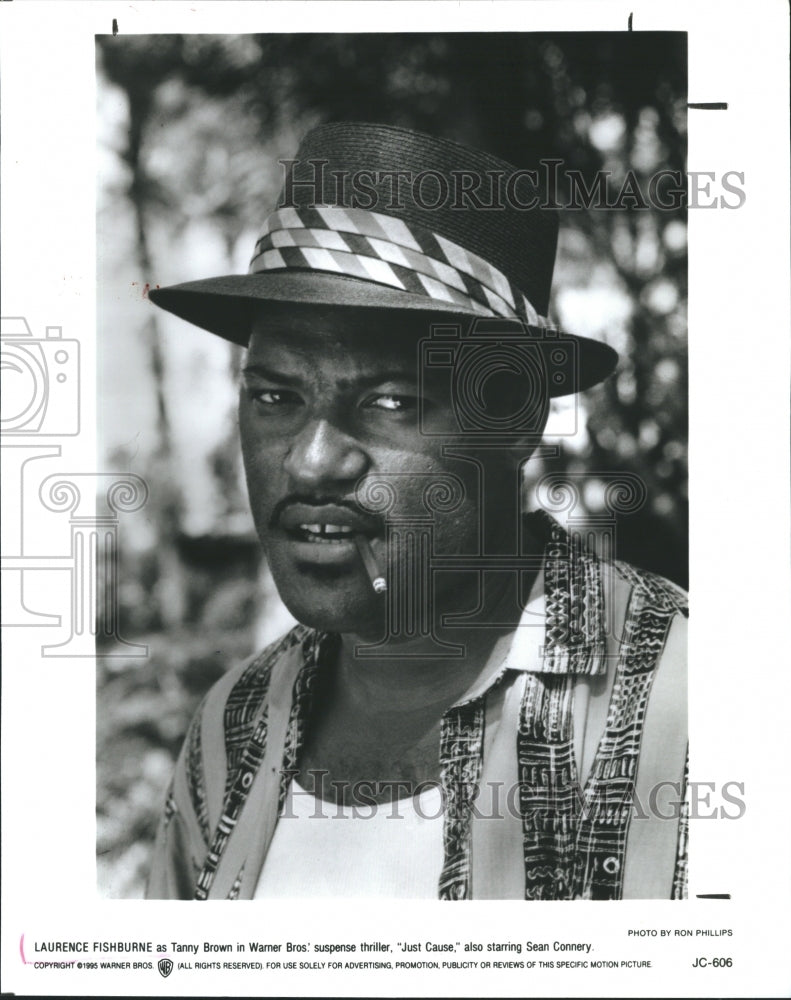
(326, 530)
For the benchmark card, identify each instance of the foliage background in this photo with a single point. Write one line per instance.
(190, 130)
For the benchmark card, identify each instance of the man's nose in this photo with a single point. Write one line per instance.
(322, 453)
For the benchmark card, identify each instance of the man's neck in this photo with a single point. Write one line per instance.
(409, 680)
(379, 719)
(407, 674)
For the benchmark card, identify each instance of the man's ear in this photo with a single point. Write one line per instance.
(525, 450)
(515, 396)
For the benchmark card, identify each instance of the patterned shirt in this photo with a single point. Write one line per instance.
(563, 767)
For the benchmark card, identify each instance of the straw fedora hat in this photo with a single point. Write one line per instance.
(377, 217)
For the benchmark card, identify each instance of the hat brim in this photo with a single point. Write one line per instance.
(227, 305)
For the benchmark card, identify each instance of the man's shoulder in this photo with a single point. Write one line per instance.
(650, 613)
(588, 566)
(227, 718)
(244, 686)
(267, 659)
(651, 588)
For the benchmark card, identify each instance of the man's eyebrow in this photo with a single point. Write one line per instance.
(389, 375)
(270, 374)
(363, 381)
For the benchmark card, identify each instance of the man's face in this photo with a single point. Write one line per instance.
(327, 399)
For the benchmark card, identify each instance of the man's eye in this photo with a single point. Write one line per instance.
(391, 402)
(273, 398)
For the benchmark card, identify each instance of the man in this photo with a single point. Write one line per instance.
(515, 702)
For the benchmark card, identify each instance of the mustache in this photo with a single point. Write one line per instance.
(313, 500)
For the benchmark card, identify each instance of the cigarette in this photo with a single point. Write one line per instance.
(378, 582)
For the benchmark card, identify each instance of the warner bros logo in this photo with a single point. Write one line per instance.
(165, 966)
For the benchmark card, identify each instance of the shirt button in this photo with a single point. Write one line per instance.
(611, 865)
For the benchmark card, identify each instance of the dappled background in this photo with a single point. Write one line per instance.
(190, 130)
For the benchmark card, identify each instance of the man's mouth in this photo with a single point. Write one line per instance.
(327, 534)
(326, 523)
